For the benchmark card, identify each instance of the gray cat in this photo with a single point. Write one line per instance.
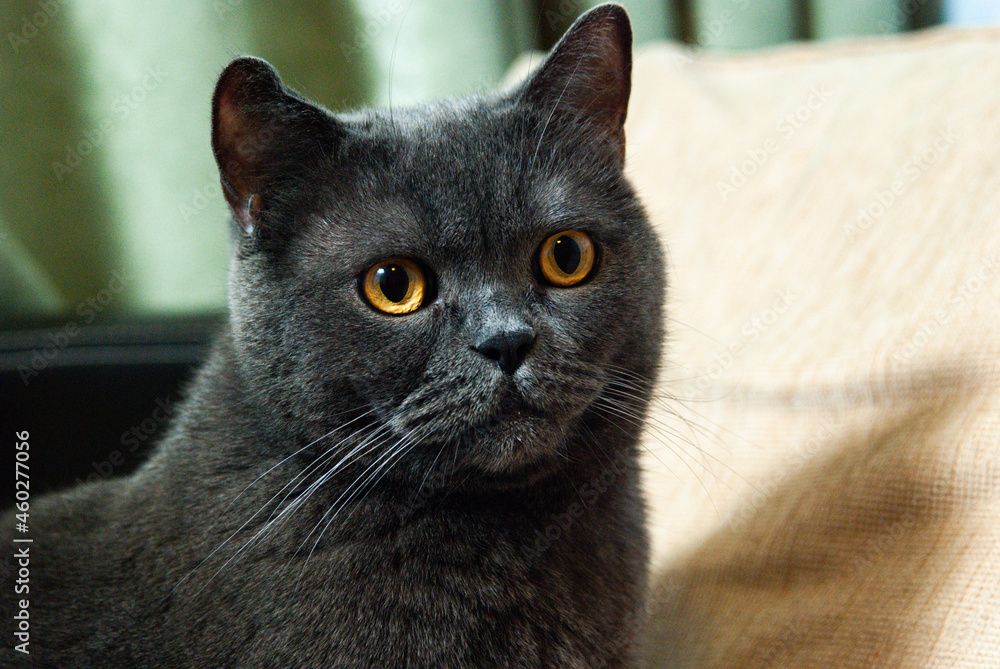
(415, 442)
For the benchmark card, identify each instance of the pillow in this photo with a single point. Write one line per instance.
(823, 457)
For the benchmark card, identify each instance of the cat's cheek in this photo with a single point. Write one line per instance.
(592, 316)
(387, 357)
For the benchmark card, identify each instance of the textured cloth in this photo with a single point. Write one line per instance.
(823, 466)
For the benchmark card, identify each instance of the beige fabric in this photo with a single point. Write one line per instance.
(824, 465)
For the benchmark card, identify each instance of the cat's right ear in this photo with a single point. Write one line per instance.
(587, 77)
(264, 136)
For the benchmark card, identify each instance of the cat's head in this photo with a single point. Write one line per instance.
(465, 277)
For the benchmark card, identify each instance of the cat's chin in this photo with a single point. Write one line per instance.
(512, 441)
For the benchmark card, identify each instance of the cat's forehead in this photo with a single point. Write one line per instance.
(441, 222)
(465, 138)
(461, 139)
(452, 165)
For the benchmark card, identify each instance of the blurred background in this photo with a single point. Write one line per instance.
(109, 192)
(113, 242)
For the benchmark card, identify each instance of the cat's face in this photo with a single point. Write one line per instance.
(465, 277)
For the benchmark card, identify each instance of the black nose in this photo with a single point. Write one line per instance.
(508, 347)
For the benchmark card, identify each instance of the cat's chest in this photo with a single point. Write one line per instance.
(415, 572)
(454, 582)
(403, 602)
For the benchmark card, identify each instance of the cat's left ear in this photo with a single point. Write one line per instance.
(588, 75)
(265, 139)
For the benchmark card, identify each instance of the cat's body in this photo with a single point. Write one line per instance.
(453, 486)
(434, 580)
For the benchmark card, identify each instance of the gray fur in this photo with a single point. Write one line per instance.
(508, 529)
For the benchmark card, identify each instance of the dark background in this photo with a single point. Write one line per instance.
(107, 380)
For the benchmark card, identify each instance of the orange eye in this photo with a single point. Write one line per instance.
(396, 286)
(566, 258)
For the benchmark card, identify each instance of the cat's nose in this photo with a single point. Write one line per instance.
(508, 348)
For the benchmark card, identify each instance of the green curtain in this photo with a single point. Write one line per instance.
(108, 192)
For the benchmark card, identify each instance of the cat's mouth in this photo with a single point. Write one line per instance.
(499, 429)
(515, 434)
(513, 406)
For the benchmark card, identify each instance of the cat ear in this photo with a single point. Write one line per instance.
(588, 75)
(263, 136)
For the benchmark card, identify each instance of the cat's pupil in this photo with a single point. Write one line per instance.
(566, 253)
(394, 282)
